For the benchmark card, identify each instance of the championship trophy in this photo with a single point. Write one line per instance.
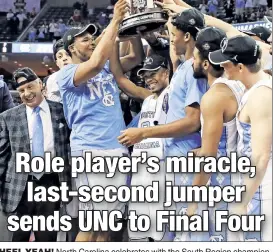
(143, 16)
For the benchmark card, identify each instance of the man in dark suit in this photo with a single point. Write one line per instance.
(35, 127)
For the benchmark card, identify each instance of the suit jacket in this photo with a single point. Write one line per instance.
(14, 137)
(5, 96)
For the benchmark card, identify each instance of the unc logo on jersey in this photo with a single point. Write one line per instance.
(108, 100)
(103, 87)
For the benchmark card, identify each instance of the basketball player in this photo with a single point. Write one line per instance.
(181, 131)
(61, 58)
(91, 103)
(240, 56)
(218, 112)
(155, 72)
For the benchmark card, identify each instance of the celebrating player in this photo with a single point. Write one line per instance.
(241, 58)
(218, 112)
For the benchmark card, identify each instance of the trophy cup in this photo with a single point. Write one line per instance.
(143, 16)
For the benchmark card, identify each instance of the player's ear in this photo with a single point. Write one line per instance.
(241, 66)
(71, 48)
(166, 73)
(206, 64)
(187, 36)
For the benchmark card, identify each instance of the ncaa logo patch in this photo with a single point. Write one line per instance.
(165, 104)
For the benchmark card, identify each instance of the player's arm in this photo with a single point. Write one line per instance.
(182, 127)
(135, 56)
(189, 124)
(123, 82)
(124, 48)
(174, 57)
(212, 109)
(177, 6)
(260, 114)
(104, 49)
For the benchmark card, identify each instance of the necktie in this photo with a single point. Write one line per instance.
(37, 138)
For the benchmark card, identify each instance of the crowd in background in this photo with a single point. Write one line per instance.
(18, 20)
(82, 15)
(232, 11)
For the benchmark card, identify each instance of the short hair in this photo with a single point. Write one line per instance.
(256, 67)
(186, 28)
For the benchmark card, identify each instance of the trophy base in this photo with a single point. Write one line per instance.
(147, 21)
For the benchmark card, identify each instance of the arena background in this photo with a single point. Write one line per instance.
(27, 31)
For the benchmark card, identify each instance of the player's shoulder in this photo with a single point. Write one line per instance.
(261, 94)
(147, 99)
(214, 99)
(260, 100)
(68, 68)
(52, 77)
(66, 73)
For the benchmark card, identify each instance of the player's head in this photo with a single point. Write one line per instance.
(239, 56)
(155, 73)
(208, 40)
(185, 28)
(29, 86)
(60, 55)
(259, 33)
(80, 43)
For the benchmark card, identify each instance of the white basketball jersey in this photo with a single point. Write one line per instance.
(228, 141)
(153, 112)
(244, 139)
(227, 144)
(261, 202)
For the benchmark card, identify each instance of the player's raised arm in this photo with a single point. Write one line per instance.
(103, 50)
(134, 57)
(124, 83)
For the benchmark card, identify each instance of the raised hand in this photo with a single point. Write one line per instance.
(121, 8)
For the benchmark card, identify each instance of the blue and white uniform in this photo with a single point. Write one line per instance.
(261, 202)
(185, 91)
(227, 144)
(93, 112)
(153, 112)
